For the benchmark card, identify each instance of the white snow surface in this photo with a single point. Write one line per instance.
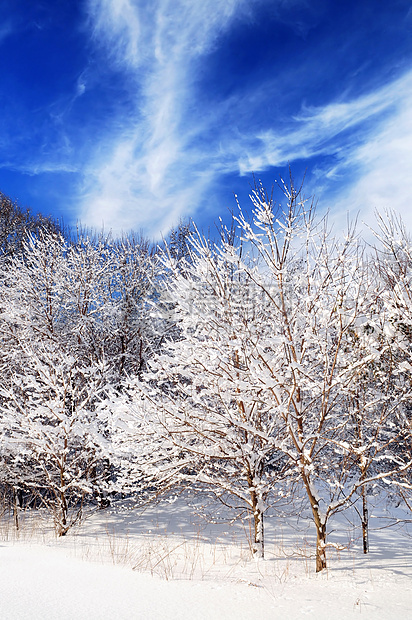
(165, 563)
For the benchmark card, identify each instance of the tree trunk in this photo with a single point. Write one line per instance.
(259, 542)
(15, 510)
(320, 524)
(365, 521)
(320, 546)
(320, 537)
(258, 531)
(63, 507)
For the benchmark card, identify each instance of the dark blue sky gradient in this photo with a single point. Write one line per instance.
(131, 114)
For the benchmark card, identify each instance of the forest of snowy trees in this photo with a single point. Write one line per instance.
(271, 364)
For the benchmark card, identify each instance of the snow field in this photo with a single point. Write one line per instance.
(166, 563)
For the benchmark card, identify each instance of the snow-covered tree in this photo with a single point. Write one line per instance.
(16, 223)
(75, 317)
(47, 389)
(53, 438)
(212, 426)
(375, 424)
(265, 374)
(134, 333)
(321, 304)
(394, 267)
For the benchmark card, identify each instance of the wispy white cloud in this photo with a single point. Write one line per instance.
(80, 86)
(151, 168)
(35, 168)
(321, 130)
(151, 171)
(376, 172)
(116, 23)
(366, 142)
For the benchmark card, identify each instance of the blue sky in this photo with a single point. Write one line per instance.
(133, 113)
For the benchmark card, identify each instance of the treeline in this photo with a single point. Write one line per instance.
(270, 365)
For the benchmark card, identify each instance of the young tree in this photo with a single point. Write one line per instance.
(394, 267)
(321, 303)
(267, 363)
(211, 424)
(72, 310)
(49, 386)
(53, 437)
(375, 420)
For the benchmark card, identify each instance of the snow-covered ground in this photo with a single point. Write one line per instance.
(166, 562)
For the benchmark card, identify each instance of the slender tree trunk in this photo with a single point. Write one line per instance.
(363, 470)
(259, 542)
(320, 524)
(63, 507)
(320, 547)
(365, 521)
(258, 530)
(15, 510)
